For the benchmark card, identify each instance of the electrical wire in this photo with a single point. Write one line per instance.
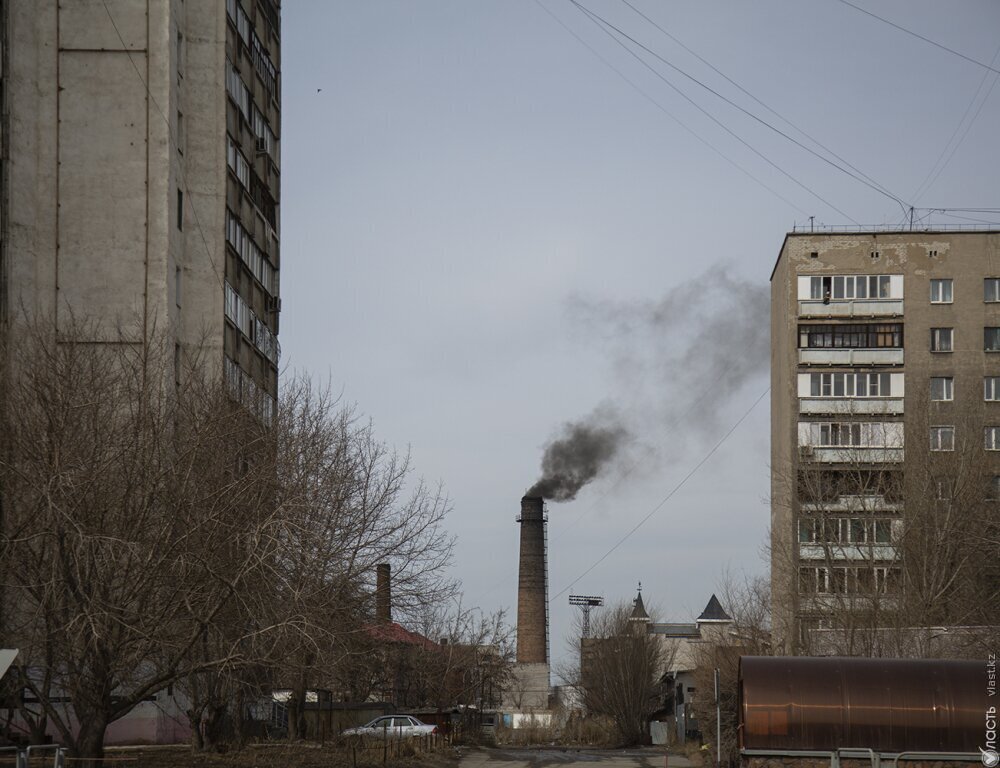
(666, 498)
(602, 22)
(921, 37)
(669, 114)
(932, 177)
(599, 22)
(747, 93)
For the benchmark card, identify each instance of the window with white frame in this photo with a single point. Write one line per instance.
(941, 291)
(238, 163)
(991, 339)
(841, 287)
(942, 339)
(991, 290)
(992, 438)
(850, 385)
(839, 434)
(991, 388)
(942, 388)
(943, 438)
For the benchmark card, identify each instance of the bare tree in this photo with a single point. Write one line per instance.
(621, 672)
(888, 548)
(135, 512)
(349, 503)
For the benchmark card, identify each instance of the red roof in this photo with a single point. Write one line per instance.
(397, 633)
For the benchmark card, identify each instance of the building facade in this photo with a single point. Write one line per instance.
(885, 406)
(140, 178)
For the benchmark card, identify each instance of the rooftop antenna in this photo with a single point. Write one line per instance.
(586, 602)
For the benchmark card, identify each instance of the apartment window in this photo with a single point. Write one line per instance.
(841, 287)
(807, 531)
(992, 442)
(883, 531)
(853, 336)
(991, 388)
(943, 438)
(839, 435)
(177, 286)
(887, 580)
(942, 339)
(941, 291)
(180, 210)
(991, 290)
(942, 388)
(813, 580)
(849, 385)
(991, 339)
(993, 493)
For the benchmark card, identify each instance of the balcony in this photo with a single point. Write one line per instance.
(827, 356)
(851, 308)
(869, 553)
(851, 455)
(852, 504)
(877, 406)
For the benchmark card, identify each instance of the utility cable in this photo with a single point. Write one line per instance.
(602, 21)
(921, 37)
(932, 177)
(669, 114)
(666, 498)
(747, 93)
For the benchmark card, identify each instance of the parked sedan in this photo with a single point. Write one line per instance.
(393, 727)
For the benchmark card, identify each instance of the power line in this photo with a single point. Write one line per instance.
(666, 498)
(669, 114)
(596, 17)
(600, 23)
(932, 177)
(921, 37)
(747, 93)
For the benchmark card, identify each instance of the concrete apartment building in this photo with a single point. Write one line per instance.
(140, 176)
(885, 358)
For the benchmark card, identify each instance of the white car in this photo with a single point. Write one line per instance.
(393, 727)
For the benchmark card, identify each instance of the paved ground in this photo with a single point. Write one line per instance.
(558, 757)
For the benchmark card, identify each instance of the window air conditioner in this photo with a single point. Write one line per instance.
(806, 451)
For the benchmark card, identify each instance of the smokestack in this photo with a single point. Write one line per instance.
(532, 585)
(383, 594)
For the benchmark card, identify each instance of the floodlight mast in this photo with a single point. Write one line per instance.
(586, 602)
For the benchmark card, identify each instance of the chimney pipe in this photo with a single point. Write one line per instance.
(383, 594)
(532, 587)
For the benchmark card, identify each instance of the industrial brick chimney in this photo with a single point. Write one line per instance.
(532, 585)
(383, 593)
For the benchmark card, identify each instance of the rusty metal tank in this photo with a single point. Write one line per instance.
(889, 705)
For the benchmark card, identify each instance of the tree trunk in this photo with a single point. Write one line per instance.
(90, 739)
(296, 714)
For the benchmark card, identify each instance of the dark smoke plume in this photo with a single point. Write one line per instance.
(678, 363)
(578, 454)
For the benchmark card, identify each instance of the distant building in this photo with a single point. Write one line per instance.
(684, 645)
(877, 337)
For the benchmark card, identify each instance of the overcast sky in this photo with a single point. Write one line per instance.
(496, 219)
